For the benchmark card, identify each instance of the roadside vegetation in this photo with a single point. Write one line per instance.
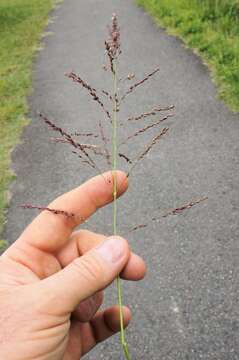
(211, 27)
(21, 23)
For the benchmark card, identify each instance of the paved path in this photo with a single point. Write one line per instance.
(187, 308)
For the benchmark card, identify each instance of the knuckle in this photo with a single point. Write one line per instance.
(90, 268)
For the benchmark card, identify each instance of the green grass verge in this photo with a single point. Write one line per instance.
(211, 27)
(3, 245)
(21, 23)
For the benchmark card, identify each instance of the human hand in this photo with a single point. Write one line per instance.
(51, 280)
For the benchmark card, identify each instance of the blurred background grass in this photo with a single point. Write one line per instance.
(211, 27)
(21, 23)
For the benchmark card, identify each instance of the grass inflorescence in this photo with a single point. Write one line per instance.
(108, 145)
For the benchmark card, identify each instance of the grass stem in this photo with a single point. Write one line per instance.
(114, 168)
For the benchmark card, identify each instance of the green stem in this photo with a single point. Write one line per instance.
(114, 168)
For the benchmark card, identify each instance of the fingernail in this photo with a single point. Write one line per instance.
(112, 250)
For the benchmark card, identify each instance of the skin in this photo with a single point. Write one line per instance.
(52, 279)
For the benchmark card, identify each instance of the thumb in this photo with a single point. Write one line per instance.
(85, 275)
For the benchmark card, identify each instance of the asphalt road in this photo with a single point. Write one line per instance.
(187, 307)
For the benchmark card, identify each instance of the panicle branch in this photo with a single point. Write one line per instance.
(134, 86)
(91, 91)
(130, 76)
(85, 135)
(54, 211)
(151, 113)
(153, 142)
(140, 131)
(175, 211)
(178, 210)
(105, 143)
(147, 149)
(125, 157)
(106, 93)
(70, 140)
(96, 149)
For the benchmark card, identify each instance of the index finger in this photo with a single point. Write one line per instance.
(50, 231)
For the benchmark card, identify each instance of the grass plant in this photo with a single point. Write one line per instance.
(108, 144)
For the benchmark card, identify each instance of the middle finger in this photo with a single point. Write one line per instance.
(82, 241)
